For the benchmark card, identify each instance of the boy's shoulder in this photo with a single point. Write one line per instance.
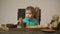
(34, 19)
(23, 19)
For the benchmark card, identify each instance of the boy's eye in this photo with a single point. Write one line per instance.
(28, 13)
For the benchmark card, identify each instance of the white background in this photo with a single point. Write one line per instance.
(9, 9)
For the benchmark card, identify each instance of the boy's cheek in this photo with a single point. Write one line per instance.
(29, 16)
(26, 15)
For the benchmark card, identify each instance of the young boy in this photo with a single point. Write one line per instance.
(29, 16)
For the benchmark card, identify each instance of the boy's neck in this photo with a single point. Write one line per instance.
(28, 18)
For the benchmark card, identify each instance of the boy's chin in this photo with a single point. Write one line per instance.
(29, 17)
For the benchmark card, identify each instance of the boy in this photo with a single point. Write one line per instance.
(29, 16)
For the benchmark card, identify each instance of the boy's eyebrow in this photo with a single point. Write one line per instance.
(28, 13)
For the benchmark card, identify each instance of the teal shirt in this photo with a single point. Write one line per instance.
(31, 21)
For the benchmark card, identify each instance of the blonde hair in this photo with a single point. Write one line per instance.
(31, 9)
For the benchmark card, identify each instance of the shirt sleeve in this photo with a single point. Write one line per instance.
(36, 21)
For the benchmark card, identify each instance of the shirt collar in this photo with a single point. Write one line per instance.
(29, 19)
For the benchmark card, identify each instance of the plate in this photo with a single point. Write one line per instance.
(48, 30)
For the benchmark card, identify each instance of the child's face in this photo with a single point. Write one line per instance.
(28, 14)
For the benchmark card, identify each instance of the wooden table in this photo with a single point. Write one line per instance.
(27, 32)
